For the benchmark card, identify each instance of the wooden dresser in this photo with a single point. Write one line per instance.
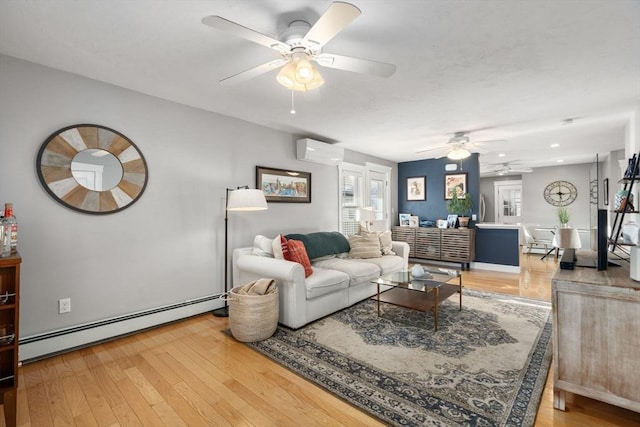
(440, 244)
(596, 336)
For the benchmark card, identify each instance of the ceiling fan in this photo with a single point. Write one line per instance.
(300, 45)
(505, 168)
(457, 148)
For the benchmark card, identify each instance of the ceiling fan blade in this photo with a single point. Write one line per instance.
(356, 65)
(253, 72)
(238, 30)
(334, 20)
(435, 153)
(476, 149)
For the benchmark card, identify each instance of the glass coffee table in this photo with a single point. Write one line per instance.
(422, 293)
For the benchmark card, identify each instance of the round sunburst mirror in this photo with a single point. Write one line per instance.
(92, 169)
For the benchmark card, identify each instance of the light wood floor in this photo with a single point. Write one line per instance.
(190, 373)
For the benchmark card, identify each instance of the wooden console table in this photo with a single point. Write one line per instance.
(596, 336)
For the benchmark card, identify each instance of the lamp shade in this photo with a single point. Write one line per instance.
(367, 214)
(567, 238)
(246, 199)
(458, 153)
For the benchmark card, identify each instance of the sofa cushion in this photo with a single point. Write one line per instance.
(298, 254)
(322, 243)
(386, 264)
(359, 272)
(324, 281)
(262, 246)
(365, 246)
(386, 243)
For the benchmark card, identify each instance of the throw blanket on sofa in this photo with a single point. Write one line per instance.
(322, 243)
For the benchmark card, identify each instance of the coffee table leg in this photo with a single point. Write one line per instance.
(460, 291)
(378, 284)
(435, 307)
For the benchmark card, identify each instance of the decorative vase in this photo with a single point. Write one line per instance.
(463, 221)
(417, 270)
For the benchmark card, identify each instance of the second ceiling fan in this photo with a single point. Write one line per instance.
(299, 46)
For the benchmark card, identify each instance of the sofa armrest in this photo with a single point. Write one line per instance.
(279, 269)
(289, 277)
(402, 250)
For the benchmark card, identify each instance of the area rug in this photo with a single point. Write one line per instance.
(485, 366)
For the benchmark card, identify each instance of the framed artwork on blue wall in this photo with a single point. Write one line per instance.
(455, 182)
(416, 188)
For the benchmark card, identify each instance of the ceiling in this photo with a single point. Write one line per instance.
(504, 70)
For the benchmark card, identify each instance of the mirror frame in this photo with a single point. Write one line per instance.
(53, 165)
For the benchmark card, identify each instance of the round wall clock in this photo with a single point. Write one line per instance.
(560, 193)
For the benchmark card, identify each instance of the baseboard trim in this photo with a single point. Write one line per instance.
(40, 346)
(496, 267)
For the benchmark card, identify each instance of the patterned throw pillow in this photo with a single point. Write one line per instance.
(298, 254)
(367, 246)
(385, 240)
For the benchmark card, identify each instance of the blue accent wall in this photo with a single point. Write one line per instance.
(435, 207)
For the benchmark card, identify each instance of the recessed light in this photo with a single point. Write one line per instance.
(559, 160)
(501, 155)
(554, 145)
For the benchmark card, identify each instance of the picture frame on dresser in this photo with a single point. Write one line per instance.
(404, 219)
(416, 188)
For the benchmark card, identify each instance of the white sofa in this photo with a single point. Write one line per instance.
(337, 281)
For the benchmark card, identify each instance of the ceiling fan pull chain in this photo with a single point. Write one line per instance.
(293, 105)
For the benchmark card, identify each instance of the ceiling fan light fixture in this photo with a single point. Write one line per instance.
(316, 82)
(305, 72)
(458, 153)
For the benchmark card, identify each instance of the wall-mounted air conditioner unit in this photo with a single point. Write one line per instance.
(319, 152)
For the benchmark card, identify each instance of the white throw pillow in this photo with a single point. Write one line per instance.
(262, 246)
(385, 243)
(276, 247)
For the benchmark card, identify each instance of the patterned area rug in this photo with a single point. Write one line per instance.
(486, 365)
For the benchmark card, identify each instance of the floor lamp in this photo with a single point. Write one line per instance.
(241, 199)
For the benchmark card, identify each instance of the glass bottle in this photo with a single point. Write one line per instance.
(12, 223)
(5, 238)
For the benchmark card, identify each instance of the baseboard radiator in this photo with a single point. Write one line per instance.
(40, 346)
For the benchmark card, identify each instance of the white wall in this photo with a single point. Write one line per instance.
(168, 246)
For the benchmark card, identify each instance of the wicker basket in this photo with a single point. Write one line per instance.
(253, 317)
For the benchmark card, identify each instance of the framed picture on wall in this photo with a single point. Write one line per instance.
(455, 182)
(416, 188)
(281, 185)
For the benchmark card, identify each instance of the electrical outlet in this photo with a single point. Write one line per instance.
(64, 305)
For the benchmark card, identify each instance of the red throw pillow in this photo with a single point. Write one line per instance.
(285, 248)
(298, 253)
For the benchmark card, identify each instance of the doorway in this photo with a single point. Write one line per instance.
(508, 196)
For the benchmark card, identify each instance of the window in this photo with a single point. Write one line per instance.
(364, 186)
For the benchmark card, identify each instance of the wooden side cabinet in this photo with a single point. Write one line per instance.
(446, 244)
(596, 336)
(9, 324)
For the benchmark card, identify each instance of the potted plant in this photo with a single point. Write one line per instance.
(461, 206)
(563, 216)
